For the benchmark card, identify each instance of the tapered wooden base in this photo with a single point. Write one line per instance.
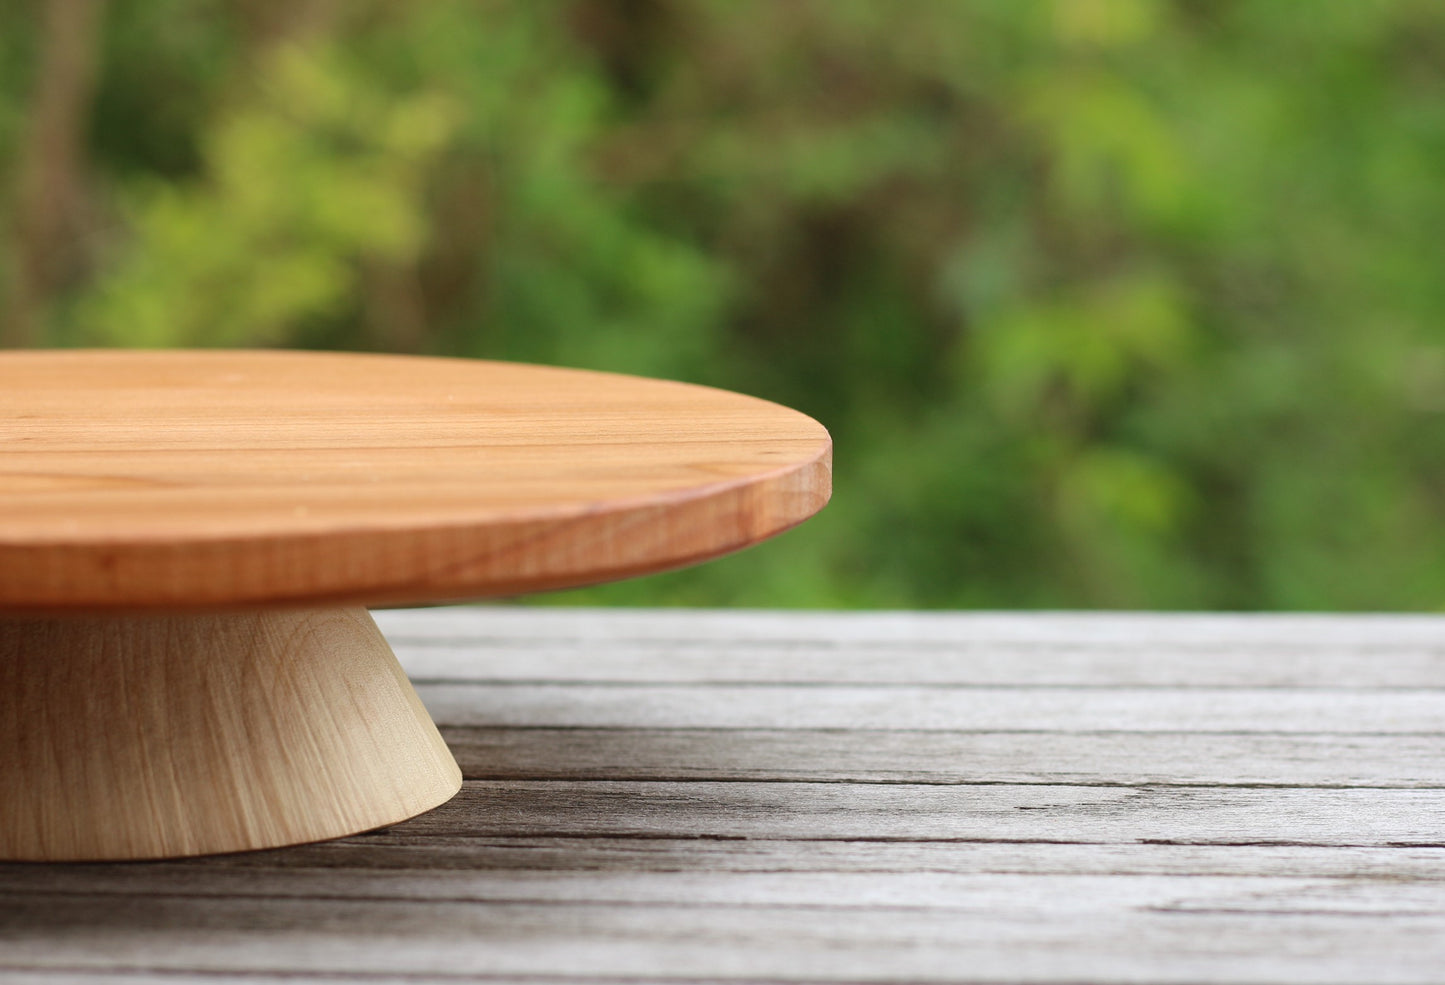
(160, 736)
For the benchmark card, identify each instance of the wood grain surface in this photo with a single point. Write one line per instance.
(202, 479)
(157, 736)
(1074, 833)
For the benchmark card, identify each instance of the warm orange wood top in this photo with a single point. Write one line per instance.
(204, 479)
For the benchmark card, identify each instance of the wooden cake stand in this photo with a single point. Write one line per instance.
(188, 541)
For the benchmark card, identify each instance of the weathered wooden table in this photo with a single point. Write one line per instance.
(701, 796)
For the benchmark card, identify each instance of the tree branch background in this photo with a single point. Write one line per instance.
(1116, 303)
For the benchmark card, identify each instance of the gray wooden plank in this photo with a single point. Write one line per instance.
(1003, 812)
(835, 756)
(1034, 894)
(425, 855)
(913, 708)
(403, 848)
(692, 646)
(109, 976)
(80, 976)
(851, 628)
(1119, 931)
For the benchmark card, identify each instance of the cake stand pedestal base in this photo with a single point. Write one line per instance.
(161, 736)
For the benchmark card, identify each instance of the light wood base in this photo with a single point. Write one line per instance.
(169, 735)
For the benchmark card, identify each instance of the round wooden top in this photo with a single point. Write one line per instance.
(217, 479)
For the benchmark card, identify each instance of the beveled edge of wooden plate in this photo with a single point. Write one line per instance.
(381, 566)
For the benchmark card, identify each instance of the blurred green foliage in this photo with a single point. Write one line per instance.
(1121, 303)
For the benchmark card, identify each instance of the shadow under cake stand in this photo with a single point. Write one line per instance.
(188, 541)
